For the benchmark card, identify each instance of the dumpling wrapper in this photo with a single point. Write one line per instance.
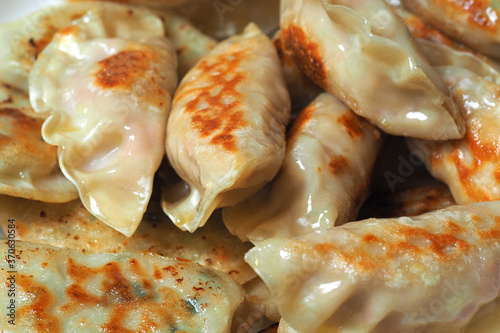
(429, 273)
(361, 52)
(301, 89)
(28, 165)
(474, 23)
(63, 290)
(407, 202)
(226, 130)
(108, 90)
(470, 166)
(29, 36)
(324, 179)
(71, 226)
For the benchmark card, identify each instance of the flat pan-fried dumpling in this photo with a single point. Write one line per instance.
(362, 53)
(429, 273)
(470, 166)
(70, 225)
(28, 165)
(29, 36)
(474, 23)
(108, 90)
(324, 178)
(226, 131)
(63, 290)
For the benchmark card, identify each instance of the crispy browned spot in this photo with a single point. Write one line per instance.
(122, 69)
(338, 165)
(352, 124)
(420, 30)
(306, 54)
(37, 314)
(220, 116)
(476, 11)
(299, 125)
(438, 243)
(482, 152)
(370, 239)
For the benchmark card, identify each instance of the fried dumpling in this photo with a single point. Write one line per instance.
(362, 53)
(474, 23)
(108, 90)
(470, 166)
(63, 290)
(70, 225)
(28, 165)
(324, 178)
(29, 36)
(429, 273)
(226, 131)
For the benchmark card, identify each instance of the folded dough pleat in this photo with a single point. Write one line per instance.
(429, 273)
(226, 131)
(361, 52)
(108, 91)
(324, 179)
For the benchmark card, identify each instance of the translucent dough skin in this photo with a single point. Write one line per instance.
(109, 99)
(474, 23)
(324, 178)
(386, 275)
(360, 52)
(226, 131)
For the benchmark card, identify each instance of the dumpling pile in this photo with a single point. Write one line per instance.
(293, 166)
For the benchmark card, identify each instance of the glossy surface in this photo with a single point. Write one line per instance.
(226, 131)
(361, 53)
(324, 178)
(470, 166)
(472, 22)
(61, 290)
(28, 165)
(108, 90)
(387, 275)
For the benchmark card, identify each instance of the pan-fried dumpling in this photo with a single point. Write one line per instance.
(62, 290)
(470, 166)
(301, 89)
(28, 165)
(226, 131)
(108, 89)
(324, 178)
(26, 40)
(362, 53)
(429, 273)
(474, 23)
(70, 225)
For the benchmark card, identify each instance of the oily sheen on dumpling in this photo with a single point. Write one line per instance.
(474, 23)
(226, 131)
(108, 91)
(28, 165)
(469, 166)
(361, 52)
(429, 273)
(324, 178)
(62, 290)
